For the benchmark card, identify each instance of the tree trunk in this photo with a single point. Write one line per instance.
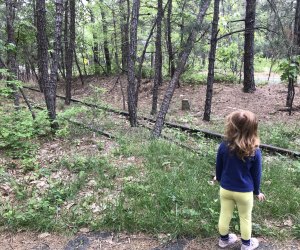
(105, 33)
(70, 53)
(11, 48)
(124, 33)
(42, 45)
(131, 89)
(158, 58)
(169, 40)
(297, 28)
(51, 98)
(211, 64)
(183, 59)
(64, 49)
(182, 23)
(249, 84)
(78, 67)
(116, 41)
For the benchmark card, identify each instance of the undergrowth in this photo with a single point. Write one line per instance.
(142, 185)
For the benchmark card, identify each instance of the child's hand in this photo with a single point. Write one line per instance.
(261, 197)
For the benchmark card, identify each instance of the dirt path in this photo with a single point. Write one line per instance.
(109, 241)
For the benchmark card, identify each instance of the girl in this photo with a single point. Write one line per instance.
(238, 169)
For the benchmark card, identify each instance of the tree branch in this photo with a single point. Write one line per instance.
(244, 30)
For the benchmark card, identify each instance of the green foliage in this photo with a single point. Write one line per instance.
(17, 128)
(290, 69)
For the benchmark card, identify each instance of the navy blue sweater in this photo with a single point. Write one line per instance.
(237, 175)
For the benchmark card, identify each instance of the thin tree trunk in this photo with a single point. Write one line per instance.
(290, 95)
(78, 67)
(249, 84)
(11, 51)
(297, 28)
(116, 43)
(42, 45)
(105, 33)
(124, 33)
(131, 89)
(70, 52)
(51, 105)
(158, 58)
(183, 59)
(66, 36)
(84, 69)
(33, 69)
(169, 40)
(211, 64)
(182, 24)
(142, 57)
(28, 104)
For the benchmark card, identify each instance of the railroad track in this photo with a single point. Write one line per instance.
(191, 131)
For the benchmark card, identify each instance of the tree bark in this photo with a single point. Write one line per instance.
(297, 27)
(169, 40)
(51, 98)
(249, 84)
(64, 49)
(42, 45)
(70, 53)
(124, 33)
(11, 48)
(158, 58)
(105, 33)
(211, 64)
(116, 41)
(183, 59)
(131, 89)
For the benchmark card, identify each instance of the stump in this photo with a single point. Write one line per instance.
(185, 105)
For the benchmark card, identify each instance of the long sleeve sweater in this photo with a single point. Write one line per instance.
(237, 175)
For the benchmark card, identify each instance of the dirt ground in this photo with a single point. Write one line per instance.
(267, 102)
(110, 241)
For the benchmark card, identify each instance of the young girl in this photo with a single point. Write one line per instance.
(238, 169)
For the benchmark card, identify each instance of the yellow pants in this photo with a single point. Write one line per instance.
(244, 203)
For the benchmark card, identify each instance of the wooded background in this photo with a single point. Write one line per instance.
(53, 41)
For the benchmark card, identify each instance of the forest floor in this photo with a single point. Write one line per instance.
(267, 102)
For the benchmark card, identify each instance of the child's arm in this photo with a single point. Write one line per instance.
(256, 171)
(219, 165)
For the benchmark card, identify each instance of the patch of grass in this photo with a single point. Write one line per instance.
(167, 192)
(281, 135)
(195, 78)
(169, 199)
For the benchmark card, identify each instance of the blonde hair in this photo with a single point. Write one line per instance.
(241, 133)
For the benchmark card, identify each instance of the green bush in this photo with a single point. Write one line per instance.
(17, 128)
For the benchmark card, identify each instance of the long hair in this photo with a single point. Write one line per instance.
(241, 133)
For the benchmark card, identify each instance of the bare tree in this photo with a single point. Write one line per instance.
(131, 89)
(181, 64)
(249, 83)
(212, 58)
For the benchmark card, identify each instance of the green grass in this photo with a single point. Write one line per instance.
(146, 185)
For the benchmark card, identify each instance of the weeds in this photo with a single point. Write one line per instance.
(145, 185)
